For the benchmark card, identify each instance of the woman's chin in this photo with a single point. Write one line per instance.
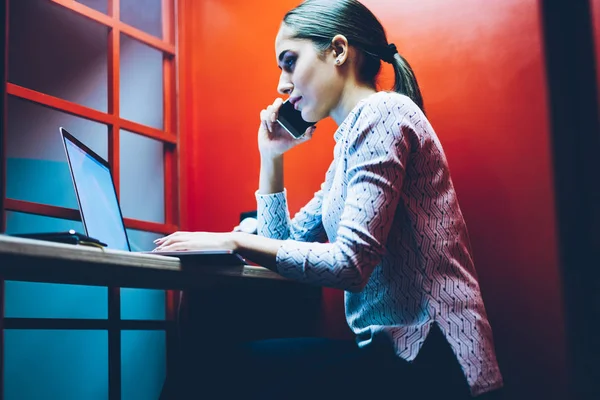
(309, 116)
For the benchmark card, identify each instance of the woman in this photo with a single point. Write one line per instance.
(385, 227)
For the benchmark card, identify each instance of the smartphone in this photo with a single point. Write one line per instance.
(71, 236)
(291, 120)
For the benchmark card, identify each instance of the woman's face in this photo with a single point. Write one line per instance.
(311, 80)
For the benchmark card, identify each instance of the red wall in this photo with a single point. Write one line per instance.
(230, 74)
(480, 66)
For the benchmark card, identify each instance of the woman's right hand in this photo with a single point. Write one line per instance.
(273, 140)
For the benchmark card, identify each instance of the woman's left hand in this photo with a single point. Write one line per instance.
(181, 241)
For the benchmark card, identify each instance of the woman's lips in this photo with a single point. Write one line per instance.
(295, 102)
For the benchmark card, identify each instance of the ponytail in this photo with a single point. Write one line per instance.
(405, 80)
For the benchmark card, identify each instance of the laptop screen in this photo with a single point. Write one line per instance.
(98, 203)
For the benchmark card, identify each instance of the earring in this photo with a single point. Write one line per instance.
(337, 62)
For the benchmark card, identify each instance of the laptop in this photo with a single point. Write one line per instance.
(100, 209)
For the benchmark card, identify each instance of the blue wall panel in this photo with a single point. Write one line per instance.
(55, 364)
(142, 304)
(48, 300)
(143, 364)
(40, 181)
(17, 222)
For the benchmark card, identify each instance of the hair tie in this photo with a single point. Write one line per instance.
(388, 53)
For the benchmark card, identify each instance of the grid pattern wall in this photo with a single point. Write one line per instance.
(105, 70)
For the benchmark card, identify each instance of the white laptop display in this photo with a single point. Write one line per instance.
(100, 210)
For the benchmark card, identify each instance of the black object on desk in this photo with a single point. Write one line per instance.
(71, 236)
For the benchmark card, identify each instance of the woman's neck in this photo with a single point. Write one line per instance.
(349, 99)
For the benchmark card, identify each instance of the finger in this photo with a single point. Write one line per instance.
(265, 125)
(272, 117)
(275, 108)
(166, 243)
(161, 240)
(174, 234)
(308, 133)
(264, 116)
(277, 103)
(179, 246)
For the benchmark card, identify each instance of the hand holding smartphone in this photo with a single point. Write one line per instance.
(291, 120)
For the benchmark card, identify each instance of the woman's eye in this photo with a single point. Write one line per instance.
(288, 64)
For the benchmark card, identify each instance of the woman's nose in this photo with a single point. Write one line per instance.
(285, 86)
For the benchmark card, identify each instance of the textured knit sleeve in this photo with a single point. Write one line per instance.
(274, 218)
(376, 151)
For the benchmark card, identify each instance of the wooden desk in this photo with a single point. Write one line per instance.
(40, 261)
(242, 293)
(246, 295)
(238, 303)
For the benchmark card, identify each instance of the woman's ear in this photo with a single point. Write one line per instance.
(339, 45)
